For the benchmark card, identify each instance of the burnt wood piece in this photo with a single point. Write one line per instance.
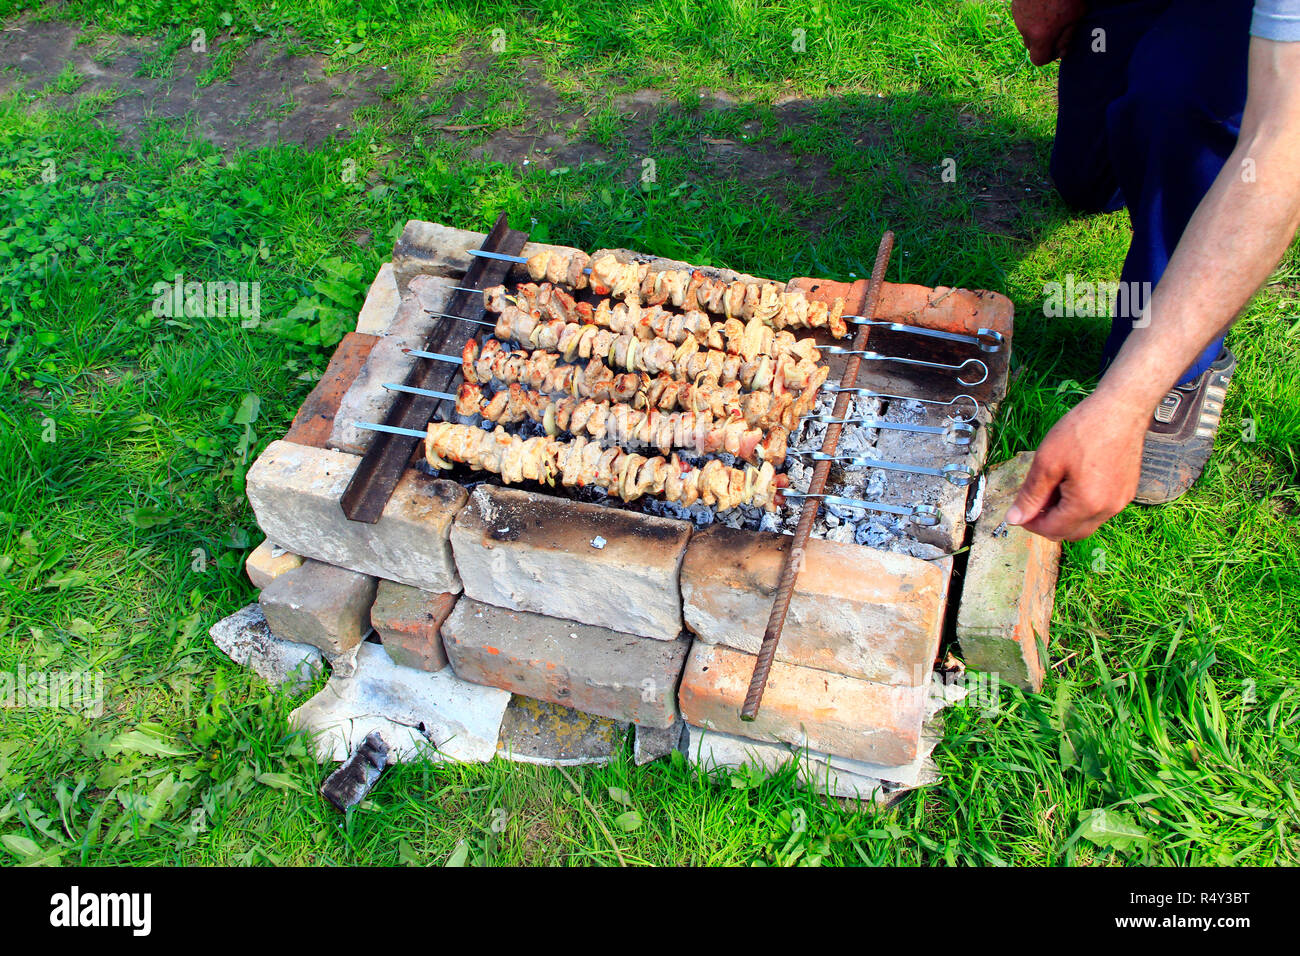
(348, 786)
(382, 466)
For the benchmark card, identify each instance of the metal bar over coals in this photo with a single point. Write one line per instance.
(954, 473)
(383, 464)
(429, 392)
(987, 340)
(391, 429)
(954, 433)
(811, 505)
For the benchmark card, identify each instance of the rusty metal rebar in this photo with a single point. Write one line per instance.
(808, 514)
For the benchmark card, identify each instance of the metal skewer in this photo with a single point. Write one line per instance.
(411, 389)
(504, 258)
(831, 350)
(954, 473)
(868, 393)
(444, 315)
(436, 356)
(925, 515)
(881, 357)
(959, 433)
(458, 288)
(955, 433)
(987, 340)
(859, 392)
(391, 429)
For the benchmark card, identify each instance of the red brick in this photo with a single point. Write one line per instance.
(409, 622)
(315, 419)
(830, 713)
(856, 611)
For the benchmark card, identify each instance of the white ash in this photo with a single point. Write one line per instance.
(909, 412)
(484, 505)
(836, 522)
(876, 481)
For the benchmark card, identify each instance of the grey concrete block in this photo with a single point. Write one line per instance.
(381, 303)
(592, 669)
(651, 743)
(534, 552)
(295, 492)
(540, 732)
(320, 604)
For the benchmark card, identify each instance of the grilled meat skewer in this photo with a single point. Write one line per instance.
(621, 424)
(580, 462)
(545, 372)
(693, 290)
(655, 355)
(746, 339)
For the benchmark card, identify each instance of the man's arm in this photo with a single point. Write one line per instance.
(1086, 469)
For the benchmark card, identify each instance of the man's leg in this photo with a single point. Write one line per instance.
(1093, 75)
(1170, 133)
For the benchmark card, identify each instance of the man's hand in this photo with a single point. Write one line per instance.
(1047, 26)
(1084, 472)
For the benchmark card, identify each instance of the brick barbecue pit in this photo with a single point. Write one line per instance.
(537, 623)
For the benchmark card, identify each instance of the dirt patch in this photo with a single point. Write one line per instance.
(555, 134)
(790, 149)
(1003, 189)
(271, 97)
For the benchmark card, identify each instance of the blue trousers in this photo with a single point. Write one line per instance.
(1149, 110)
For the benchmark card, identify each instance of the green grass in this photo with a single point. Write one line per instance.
(1168, 729)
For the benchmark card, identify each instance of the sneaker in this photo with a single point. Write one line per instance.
(1181, 434)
